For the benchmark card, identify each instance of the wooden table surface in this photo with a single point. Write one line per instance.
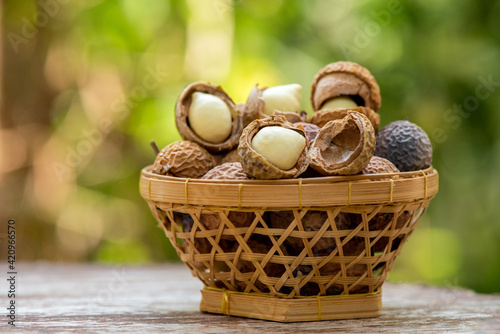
(165, 298)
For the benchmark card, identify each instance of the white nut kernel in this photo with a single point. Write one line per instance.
(281, 147)
(209, 117)
(343, 102)
(283, 98)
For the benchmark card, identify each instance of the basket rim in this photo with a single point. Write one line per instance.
(328, 191)
(147, 171)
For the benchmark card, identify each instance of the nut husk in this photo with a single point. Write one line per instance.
(406, 145)
(378, 165)
(255, 165)
(183, 159)
(345, 78)
(310, 129)
(343, 146)
(226, 171)
(321, 117)
(182, 119)
(254, 109)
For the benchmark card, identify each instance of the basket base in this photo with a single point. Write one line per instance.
(291, 310)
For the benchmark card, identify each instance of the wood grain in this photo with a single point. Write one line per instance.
(91, 298)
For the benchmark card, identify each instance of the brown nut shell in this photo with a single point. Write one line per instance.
(212, 221)
(292, 117)
(321, 117)
(310, 129)
(311, 221)
(182, 120)
(254, 109)
(343, 146)
(258, 245)
(255, 165)
(231, 156)
(183, 159)
(345, 78)
(378, 165)
(226, 171)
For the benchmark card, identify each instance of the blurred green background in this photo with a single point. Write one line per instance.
(87, 85)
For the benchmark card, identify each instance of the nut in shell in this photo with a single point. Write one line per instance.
(183, 159)
(345, 79)
(206, 115)
(321, 117)
(199, 245)
(378, 165)
(212, 221)
(406, 145)
(259, 246)
(311, 221)
(279, 100)
(343, 146)
(226, 171)
(277, 145)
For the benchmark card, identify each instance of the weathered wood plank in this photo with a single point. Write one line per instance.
(153, 298)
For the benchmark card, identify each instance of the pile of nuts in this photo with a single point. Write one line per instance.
(270, 137)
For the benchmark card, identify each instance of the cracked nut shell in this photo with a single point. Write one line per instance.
(406, 145)
(182, 119)
(183, 159)
(343, 146)
(255, 165)
(345, 78)
(321, 117)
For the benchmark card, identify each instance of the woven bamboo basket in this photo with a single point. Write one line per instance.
(290, 250)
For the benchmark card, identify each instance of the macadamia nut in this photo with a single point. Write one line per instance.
(281, 147)
(283, 98)
(210, 117)
(344, 102)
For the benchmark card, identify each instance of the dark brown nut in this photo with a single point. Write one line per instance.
(345, 79)
(312, 221)
(406, 145)
(378, 165)
(226, 171)
(218, 120)
(259, 246)
(310, 129)
(321, 117)
(272, 148)
(378, 223)
(231, 156)
(212, 221)
(183, 159)
(201, 245)
(279, 100)
(343, 146)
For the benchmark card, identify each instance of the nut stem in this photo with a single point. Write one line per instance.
(155, 147)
